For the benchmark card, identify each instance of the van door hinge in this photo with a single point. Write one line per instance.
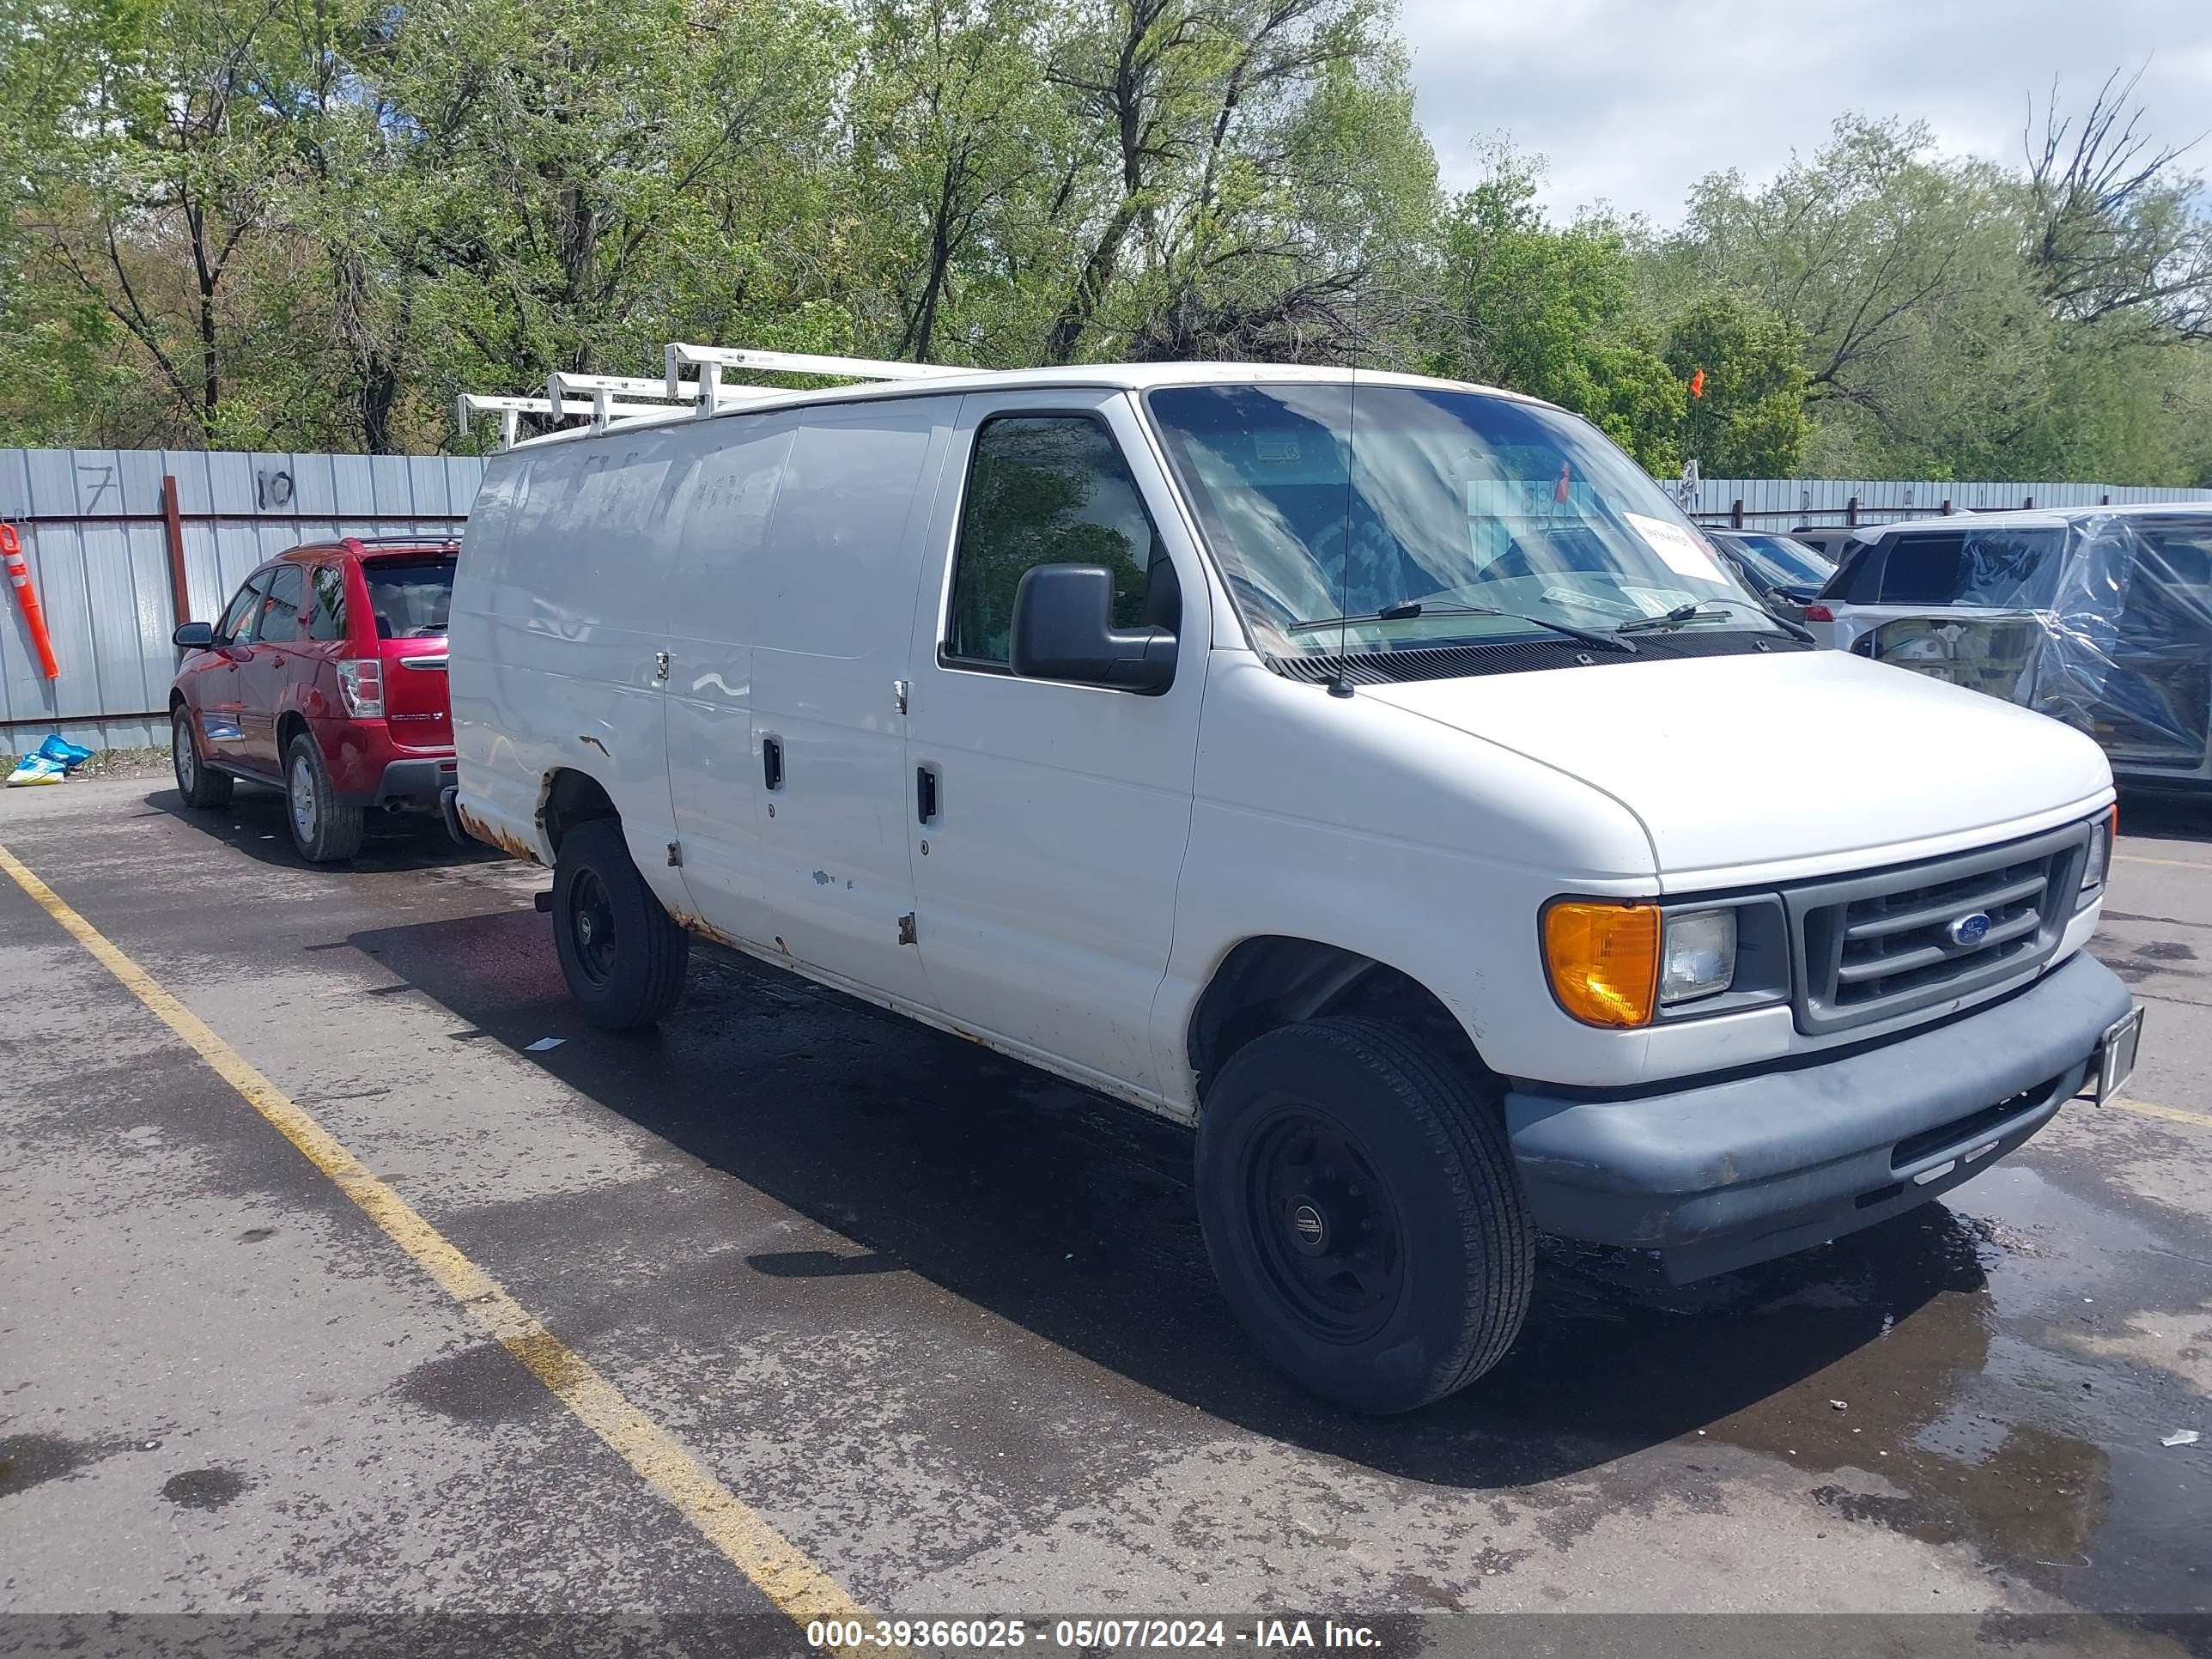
(675, 856)
(899, 690)
(906, 928)
(660, 665)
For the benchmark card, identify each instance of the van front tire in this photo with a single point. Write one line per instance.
(1360, 1208)
(624, 955)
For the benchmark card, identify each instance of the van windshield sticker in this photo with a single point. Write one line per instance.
(1657, 601)
(1685, 555)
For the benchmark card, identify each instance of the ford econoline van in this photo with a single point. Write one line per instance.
(1380, 776)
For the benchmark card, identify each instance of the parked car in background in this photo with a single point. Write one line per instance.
(1381, 777)
(2099, 616)
(1783, 572)
(1829, 541)
(324, 676)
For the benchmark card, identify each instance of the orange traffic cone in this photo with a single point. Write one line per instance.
(19, 578)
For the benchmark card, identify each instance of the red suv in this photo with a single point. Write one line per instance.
(326, 676)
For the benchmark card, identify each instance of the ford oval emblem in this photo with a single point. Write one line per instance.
(1970, 929)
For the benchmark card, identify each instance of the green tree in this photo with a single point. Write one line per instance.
(1899, 267)
(148, 174)
(1963, 321)
(1750, 420)
(1554, 311)
(958, 146)
(1221, 202)
(593, 178)
(2116, 226)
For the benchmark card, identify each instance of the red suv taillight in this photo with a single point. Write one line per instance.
(1819, 613)
(360, 683)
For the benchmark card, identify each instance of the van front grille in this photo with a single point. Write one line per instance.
(1875, 947)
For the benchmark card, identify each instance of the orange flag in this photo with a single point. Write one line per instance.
(1697, 384)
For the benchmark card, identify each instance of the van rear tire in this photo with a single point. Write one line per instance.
(1358, 1199)
(624, 955)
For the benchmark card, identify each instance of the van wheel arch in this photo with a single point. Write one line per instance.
(571, 797)
(1274, 980)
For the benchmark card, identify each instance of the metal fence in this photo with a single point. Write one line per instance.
(124, 544)
(1783, 503)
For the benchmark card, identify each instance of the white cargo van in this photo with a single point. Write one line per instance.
(1379, 774)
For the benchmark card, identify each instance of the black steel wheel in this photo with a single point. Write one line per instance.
(1320, 1217)
(1362, 1212)
(592, 917)
(623, 954)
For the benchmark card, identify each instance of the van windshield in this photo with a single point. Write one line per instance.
(1445, 501)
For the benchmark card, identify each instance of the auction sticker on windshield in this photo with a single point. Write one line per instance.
(1685, 555)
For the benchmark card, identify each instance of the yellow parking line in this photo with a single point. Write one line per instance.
(799, 1588)
(2171, 1114)
(2171, 864)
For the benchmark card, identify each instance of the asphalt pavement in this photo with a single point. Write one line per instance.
(791, 1275)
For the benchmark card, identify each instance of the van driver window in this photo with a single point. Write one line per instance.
(1045, 490)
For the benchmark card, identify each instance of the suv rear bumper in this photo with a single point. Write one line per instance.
(367, 769)
(1726, 1173)
(414, 784)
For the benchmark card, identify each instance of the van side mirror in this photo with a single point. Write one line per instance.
(193, 637)
(1064, 630)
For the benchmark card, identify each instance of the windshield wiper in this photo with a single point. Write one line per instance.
(1682, 615)
(1406, 610)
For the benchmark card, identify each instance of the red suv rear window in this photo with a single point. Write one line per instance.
(410, 598)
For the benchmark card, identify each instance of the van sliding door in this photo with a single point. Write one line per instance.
(832, 618)
(713, 764)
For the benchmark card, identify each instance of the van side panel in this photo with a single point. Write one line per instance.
(837, 599)
(1342, 822)
(715, 772)
(555, 627)
(498, 793)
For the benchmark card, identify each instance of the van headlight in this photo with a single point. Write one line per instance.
(1697, 954)
(2098, 864)
(1614, 963)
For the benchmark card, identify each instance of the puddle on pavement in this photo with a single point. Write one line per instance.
(32, 1460)
(1927, 1365)
(203, 1489)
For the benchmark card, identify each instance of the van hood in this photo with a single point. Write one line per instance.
(1771, 760)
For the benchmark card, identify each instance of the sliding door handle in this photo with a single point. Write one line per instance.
(772, 762)
(925, 794)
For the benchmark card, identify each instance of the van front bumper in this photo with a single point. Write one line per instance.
(1729, 1173)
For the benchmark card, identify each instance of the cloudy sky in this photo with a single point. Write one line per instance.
(1631, 100)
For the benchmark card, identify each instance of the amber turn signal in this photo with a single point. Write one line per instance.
(1603, 960)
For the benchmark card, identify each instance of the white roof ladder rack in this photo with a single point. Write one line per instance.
(711, 360)
(602, 398)
(510, 411)
(604, 389)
